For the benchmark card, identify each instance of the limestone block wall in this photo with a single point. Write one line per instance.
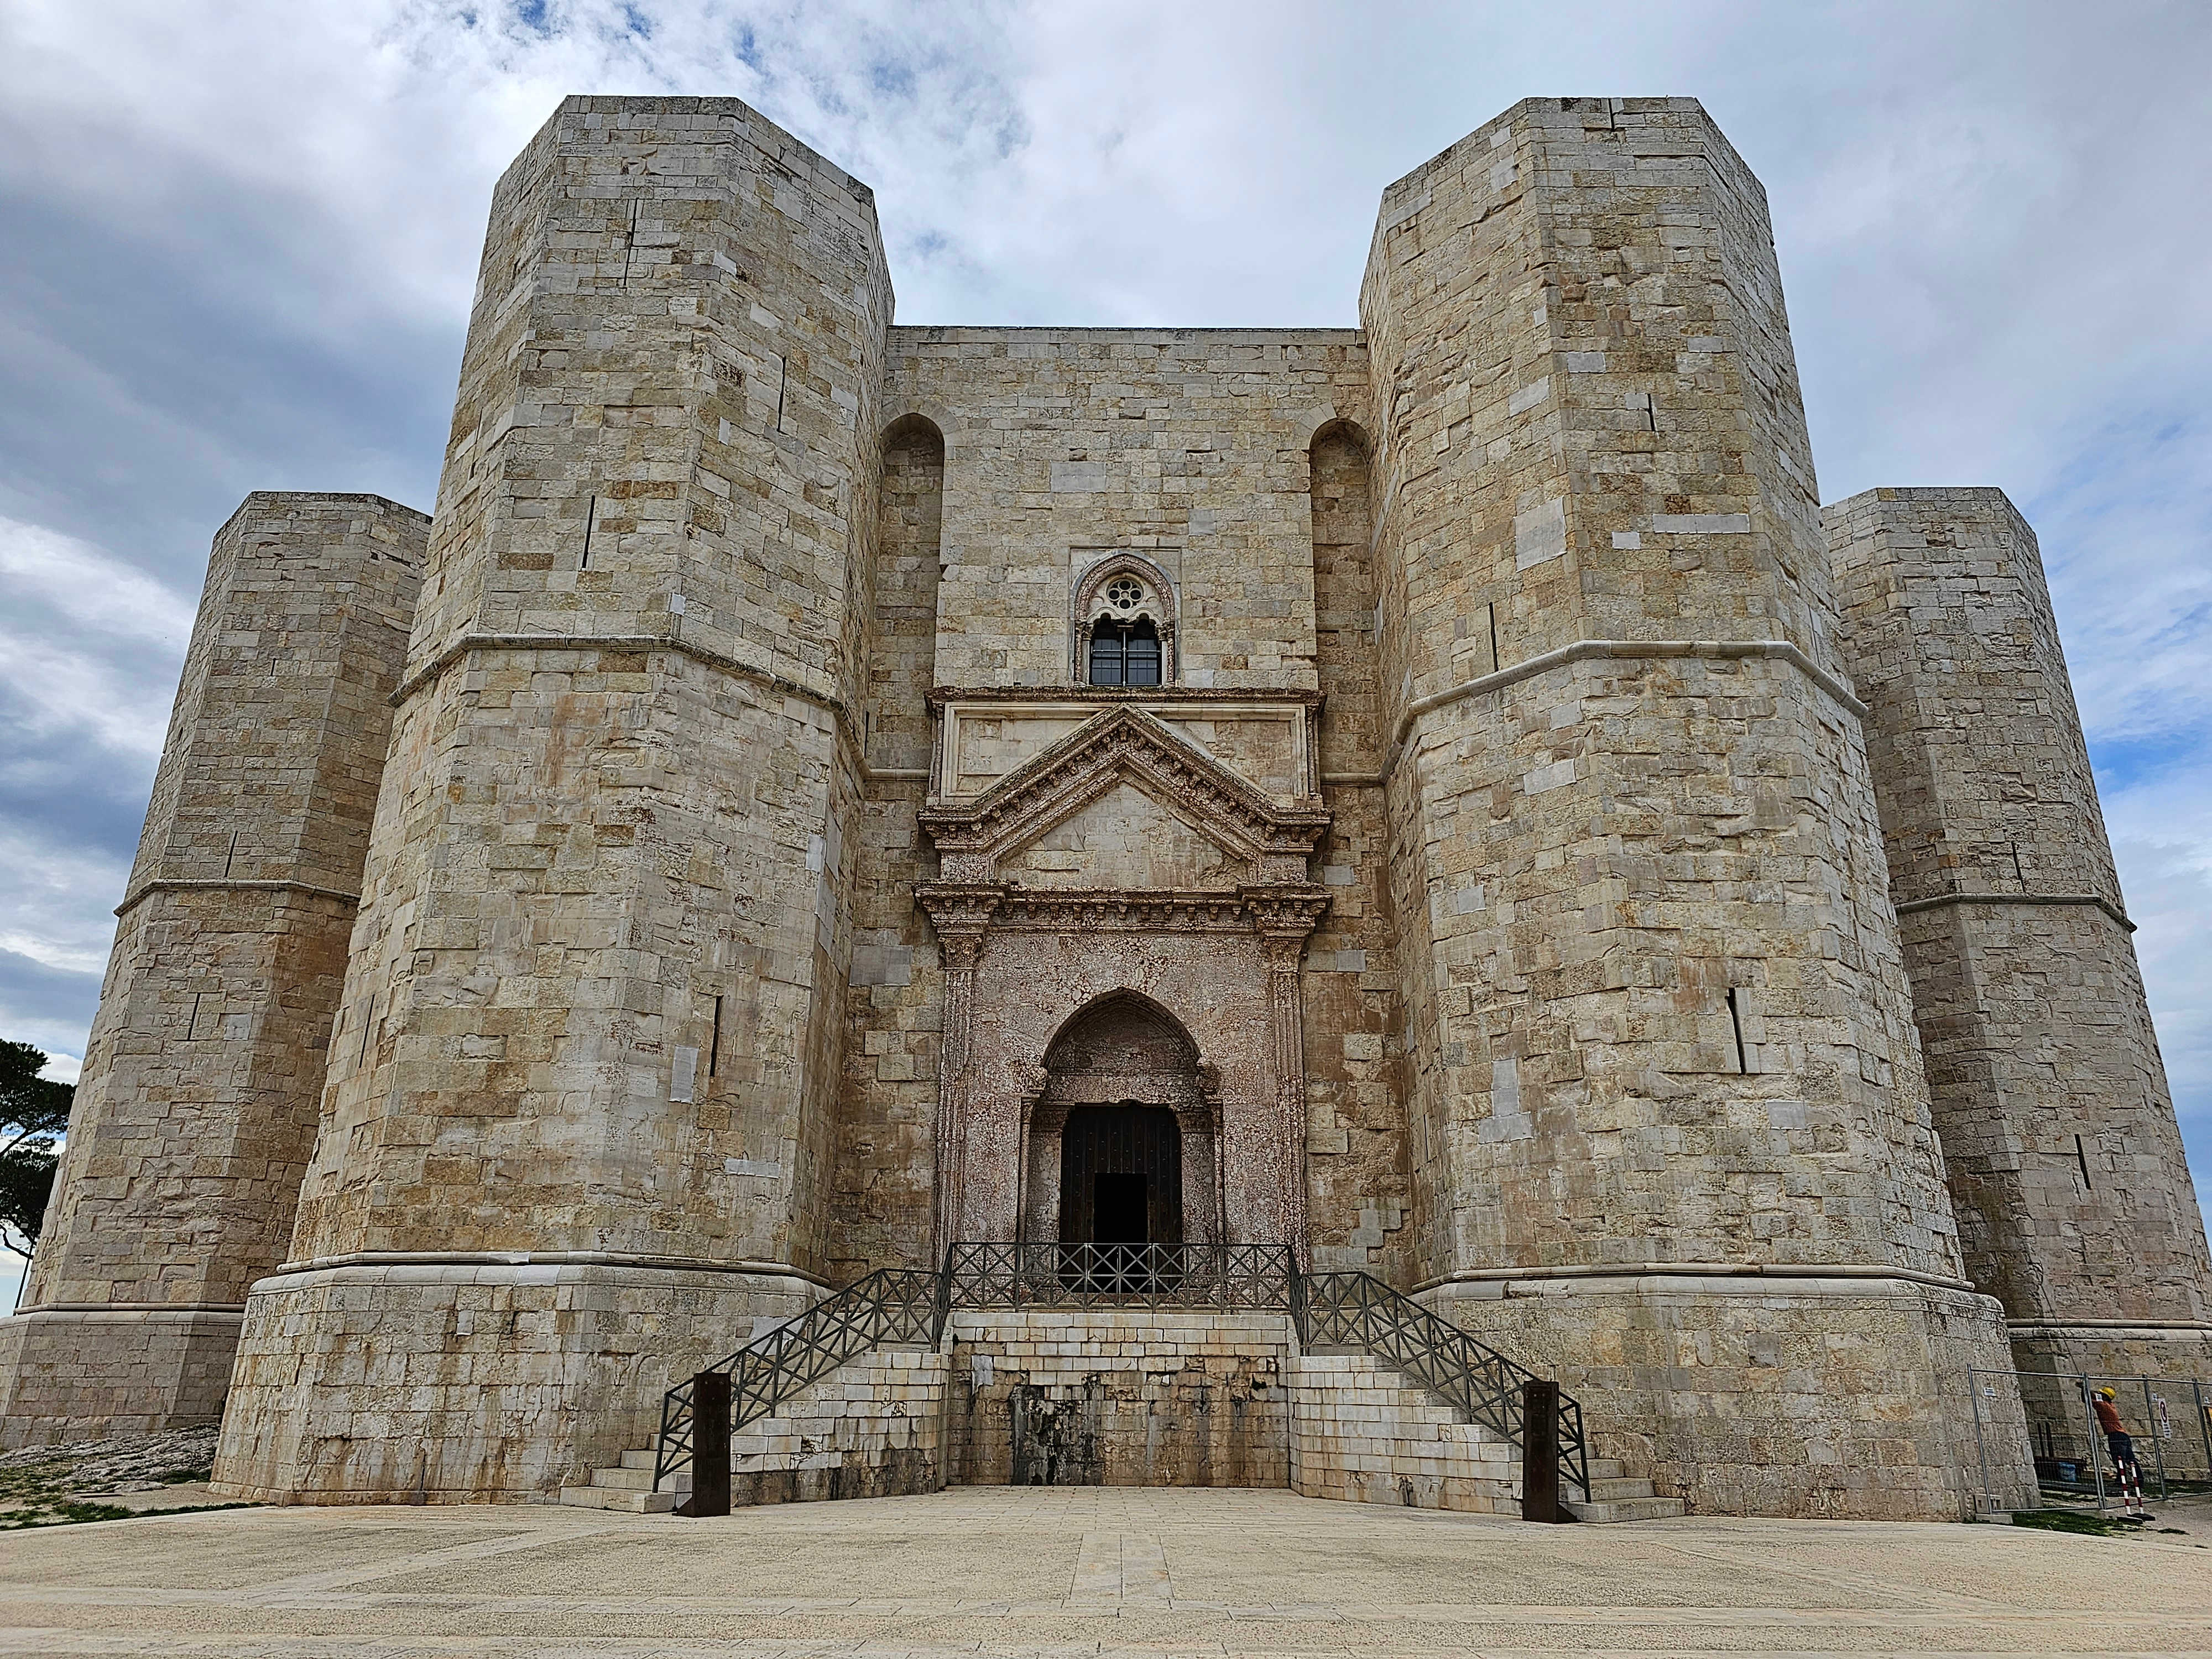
(1655, 991)
(594, 1010)
(533, 1367)
(1843, 1398)
(874, 1429)
(1119, 1398)
(198, 1103)
(1063, 446)
(1361, 1434)
(2064, 1159)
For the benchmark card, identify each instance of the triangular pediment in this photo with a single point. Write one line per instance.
(1118, 750)
(1125, 836)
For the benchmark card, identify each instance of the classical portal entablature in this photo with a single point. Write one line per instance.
(1123, 745)
(1122, 860)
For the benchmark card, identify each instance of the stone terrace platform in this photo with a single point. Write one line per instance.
(1080, 1571)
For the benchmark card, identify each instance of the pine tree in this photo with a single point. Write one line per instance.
(33, 1111)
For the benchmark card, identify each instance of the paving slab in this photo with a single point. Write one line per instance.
(1008, 1571)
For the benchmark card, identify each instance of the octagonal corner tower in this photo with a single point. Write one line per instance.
(1671, 1128)
(196, 1109)
(584, 1068)
(2063, 1155)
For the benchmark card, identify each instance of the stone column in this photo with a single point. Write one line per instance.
(1284, 927)
(580, 1113)
(1670, 1112)
(2064, 1159)
(959, 919)
(196, 1107)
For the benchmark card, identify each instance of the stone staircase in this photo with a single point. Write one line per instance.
(628, 1486)
(1617, 1495)
(1361, 1431)
(873, 1428)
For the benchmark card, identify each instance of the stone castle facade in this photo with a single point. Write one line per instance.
(1441, 795)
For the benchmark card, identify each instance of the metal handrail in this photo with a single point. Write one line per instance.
(912, 1304)
(1358, 1309)
(892, 1304)
(1246, 1278)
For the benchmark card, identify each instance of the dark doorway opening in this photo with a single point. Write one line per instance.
(1120, 1198)
(1135, 1154)
(1119, 1209)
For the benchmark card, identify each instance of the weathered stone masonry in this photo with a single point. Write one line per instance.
(2064, 1160)
(1433, 794)
(197, 1106)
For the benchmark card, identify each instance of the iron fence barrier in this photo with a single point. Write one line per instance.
(1246, 1278)
(2054, 1438)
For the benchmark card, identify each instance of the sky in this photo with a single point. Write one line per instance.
(238, 243)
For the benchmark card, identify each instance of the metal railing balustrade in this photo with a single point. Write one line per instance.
(1328, 1309)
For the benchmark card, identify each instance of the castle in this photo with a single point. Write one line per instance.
(1441, 796)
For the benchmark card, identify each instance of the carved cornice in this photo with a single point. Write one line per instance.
(1106, 910)
(1105, 695)
(1286, 912)
(968, 909)
(959, 910)
(1120, 744)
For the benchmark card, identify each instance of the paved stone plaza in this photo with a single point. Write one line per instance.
(1083, 1570)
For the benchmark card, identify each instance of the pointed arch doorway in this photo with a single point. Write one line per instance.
(1123, 1143)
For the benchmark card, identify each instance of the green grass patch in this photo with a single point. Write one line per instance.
(62, 1513)
(2073, 1521)
(72, 1514)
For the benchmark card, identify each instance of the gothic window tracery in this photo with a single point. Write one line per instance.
(1124, 652)
(1124, 617)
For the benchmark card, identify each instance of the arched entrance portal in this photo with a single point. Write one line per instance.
(1122, 1143)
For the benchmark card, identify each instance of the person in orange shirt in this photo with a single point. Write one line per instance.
(2116, 1434)
(2121, 1445)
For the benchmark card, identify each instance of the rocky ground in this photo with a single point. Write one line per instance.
(106, 1480)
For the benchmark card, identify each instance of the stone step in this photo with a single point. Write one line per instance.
(1607, 1469)
(613, 1497)
(1607, 1488)
(639, 1460)
(623, 1479)
(1626, 1509)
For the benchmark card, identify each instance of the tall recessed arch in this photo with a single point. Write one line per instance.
(903, 637)
(1123, 1076)
(1347, 655)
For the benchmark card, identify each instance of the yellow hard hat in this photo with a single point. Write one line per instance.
(2105, 1394)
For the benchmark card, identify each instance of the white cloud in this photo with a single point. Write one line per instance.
(84, 638)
